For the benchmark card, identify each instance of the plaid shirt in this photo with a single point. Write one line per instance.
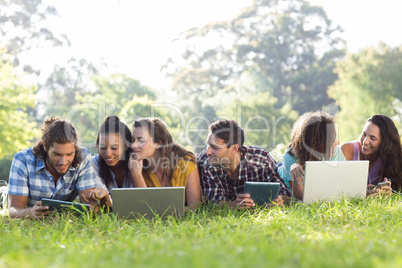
(256, 164)
(29, 177)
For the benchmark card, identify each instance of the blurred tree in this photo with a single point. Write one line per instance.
(16, 131)
(23, 27)
(397, 105)
(291, 43)
(194, 127)
(263, 124)
(370, 82)
(5, 166)
(61, 89)
(252, 107)
(121, 88)
(147, 106)
(27, 26)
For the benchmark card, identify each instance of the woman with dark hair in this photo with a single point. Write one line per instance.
(111, 164)
(313, 139)
(379, 143)
(158, 161)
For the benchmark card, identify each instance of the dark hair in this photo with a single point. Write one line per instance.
(112, 124)
(170, 150)
(61, 132)
(228, 131)
(390, 150)
(313, 137)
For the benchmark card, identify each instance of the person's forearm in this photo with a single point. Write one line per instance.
(15, 212)
(194, 205)
(193, 201)
(106, 201)
(138, 180)
(297, 190)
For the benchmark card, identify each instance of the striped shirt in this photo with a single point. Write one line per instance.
(29, 177)
(256, 164)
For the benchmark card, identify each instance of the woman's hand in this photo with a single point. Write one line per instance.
(297, 182)
(135, 164)
(386, 189)
(374, 190)
(94, 195)
(297, 173)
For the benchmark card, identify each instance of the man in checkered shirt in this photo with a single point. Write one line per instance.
(56, 168)
(225, 165)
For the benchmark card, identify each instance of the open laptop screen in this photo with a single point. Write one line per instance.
(329, 180)
(148, 202)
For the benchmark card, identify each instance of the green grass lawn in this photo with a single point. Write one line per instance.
(357, 233)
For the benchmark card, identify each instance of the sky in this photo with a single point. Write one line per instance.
(135, 37)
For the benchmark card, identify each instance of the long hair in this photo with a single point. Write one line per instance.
(170, 151)
(112, 124)
(61, 132)
(313, 137)
(390, 150)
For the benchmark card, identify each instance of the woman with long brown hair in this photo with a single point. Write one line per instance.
(379, 143)
(158, 161)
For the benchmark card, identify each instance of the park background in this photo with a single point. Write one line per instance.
(262, 63)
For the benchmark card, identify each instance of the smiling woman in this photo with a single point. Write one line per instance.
(111, 164)
(379, 143)
(158, 161)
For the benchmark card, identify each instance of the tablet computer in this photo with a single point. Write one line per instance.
(59, 205)
(262, 192)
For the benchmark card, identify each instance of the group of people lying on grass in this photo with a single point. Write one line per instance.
(58, 168)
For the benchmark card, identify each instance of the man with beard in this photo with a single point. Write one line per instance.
(56, 168)
(225, 165)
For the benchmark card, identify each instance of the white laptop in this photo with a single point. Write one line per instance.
(330, 180)
(148, 202)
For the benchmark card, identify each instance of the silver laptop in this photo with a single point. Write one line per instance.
(148, 202)
(330, 180)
